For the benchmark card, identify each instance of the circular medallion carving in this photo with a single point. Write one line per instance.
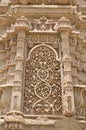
(42, 90)
(42, 74)
(42, 56)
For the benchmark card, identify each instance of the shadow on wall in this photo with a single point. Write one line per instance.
(69, 123)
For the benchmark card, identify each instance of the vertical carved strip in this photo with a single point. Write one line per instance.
(2, 61)
(68, 98)
(18, 78)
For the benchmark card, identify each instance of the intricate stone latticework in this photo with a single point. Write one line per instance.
(42, 62)
(43, 82)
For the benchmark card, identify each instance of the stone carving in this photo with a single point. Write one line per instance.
(43, 24)
(1, 92)
(51, 40)
(21, 23)
(48, 2)
(42, 56)
(39, 2)
(15, 102)
(42, 94)
(13, 120)
(5, 95)
(42, 118)
(80, 101)
(69, 103)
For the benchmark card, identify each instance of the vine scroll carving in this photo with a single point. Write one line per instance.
(42, 93)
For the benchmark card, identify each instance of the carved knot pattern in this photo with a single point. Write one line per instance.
(42, 93)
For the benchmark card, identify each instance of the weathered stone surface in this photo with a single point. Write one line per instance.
(42, 65)
(67, 123)
(38, 2)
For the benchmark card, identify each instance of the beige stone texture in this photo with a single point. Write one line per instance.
(43, 65)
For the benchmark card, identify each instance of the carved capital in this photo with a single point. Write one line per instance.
(21, 24)
(13, 121)
(64, 25)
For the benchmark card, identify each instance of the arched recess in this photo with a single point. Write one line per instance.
(42, 91)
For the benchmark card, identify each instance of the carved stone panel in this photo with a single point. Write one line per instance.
(51, 40)
(5, 100)
(39, 2)
(80, 101)
(42, 92)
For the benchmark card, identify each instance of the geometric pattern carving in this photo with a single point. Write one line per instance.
(39, 2)
(50, 2)
(42, 92)
(34, 40)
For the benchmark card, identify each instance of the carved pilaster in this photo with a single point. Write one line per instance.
(65, 43)
(68, 99)
(2, 54)
(10, 62)
(18, 79)
(2, 61)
